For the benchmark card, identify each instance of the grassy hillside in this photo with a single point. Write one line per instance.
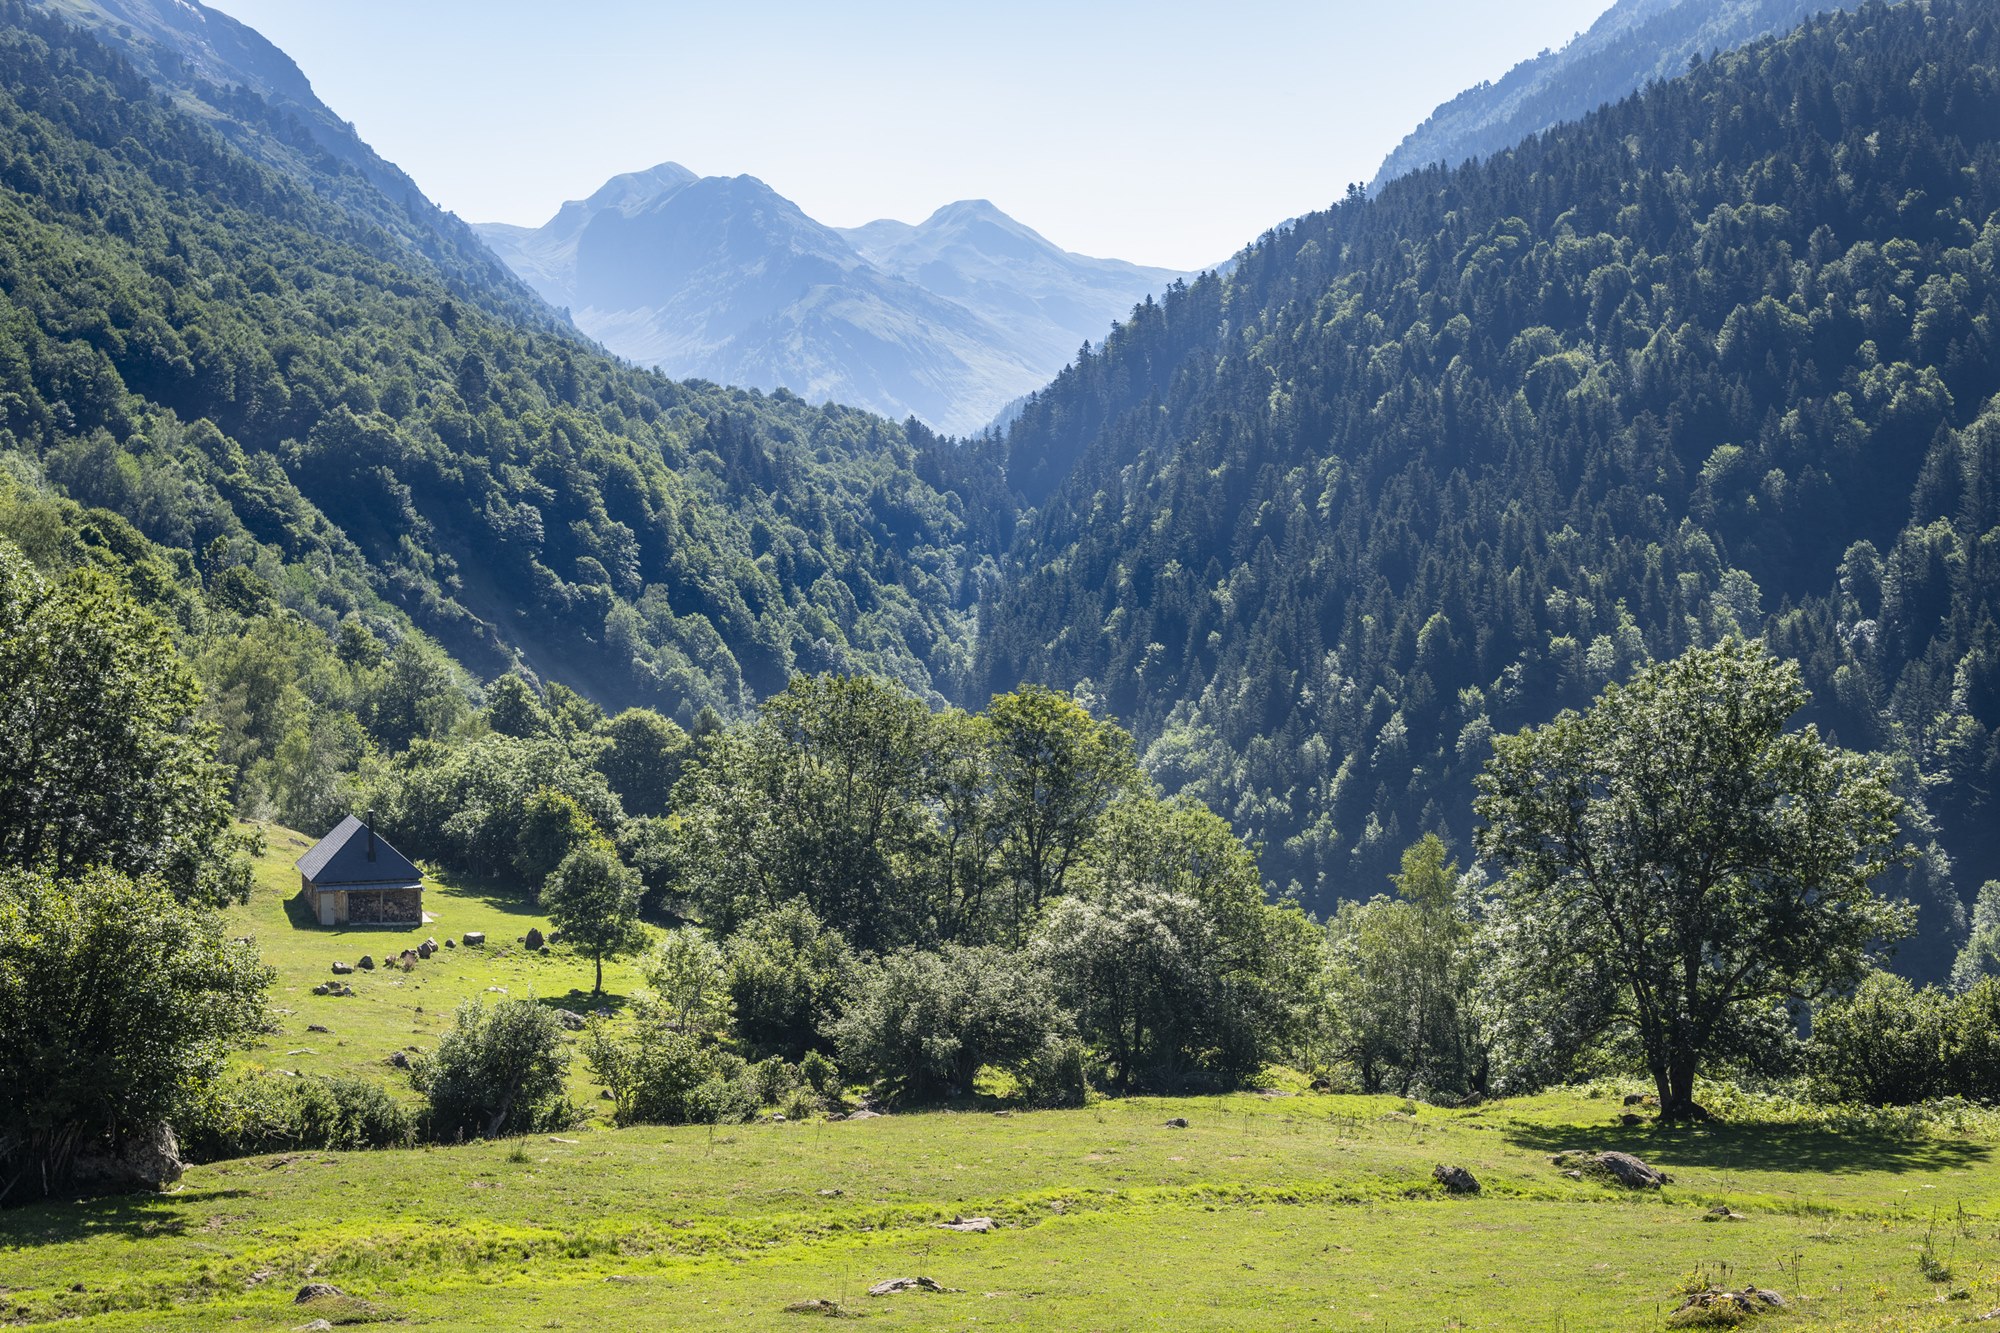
(1267, 1211)
(1277, 1208)
(392, 1010)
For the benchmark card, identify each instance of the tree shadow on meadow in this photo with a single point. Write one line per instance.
(63, 1221)
(1758, 1147)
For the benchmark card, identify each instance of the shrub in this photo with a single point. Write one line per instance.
(498, 1071)
(788, 977)
(272, 1113)
(927, 1021)
(1882, 1046)
(118, 1004)
(1055, 1076)
(820, 1074)
(659, 1075)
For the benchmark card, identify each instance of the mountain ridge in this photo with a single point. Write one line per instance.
(949, 319)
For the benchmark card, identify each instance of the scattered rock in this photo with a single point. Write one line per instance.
(863, 1114)
(604, 1095)
(474, 938)
(1641, 1099)
(981, 1225)
(342, 969)
(543, 951)
(367, 962)
(1573, 1174)
(570, 1019)
(831, 1194)
(1456, 1179)
(1178, 1122)
(896, 1284)
(1717, 1308)
(399, 1060)
(778, 1117)
(533, 939)
(316, 1326)
(314, 1291)
(318, 1027)
(1722, 1212)
(450, 943)
(1629, 1120)
(333, 988)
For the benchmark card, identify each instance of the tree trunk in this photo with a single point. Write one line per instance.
(1676, 1085)
(598, 989)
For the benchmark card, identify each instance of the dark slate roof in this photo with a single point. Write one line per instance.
(341, 857)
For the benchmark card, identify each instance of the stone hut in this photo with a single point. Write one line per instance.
(353, 877)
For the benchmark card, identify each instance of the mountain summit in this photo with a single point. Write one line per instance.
(723, 278)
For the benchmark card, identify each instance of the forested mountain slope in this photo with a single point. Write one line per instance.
(267, 377)
(1721, 357)
(228, 76)
(1631, 44)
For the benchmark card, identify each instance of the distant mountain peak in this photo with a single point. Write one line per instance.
(723, 278)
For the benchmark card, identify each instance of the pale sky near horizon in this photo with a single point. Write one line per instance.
(1168, 133)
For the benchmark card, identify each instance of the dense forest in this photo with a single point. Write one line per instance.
(1419, 470)
(1428, 467)
(255, 375)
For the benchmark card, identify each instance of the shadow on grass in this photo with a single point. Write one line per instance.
(66, 1219)
(1757, 1147)
(300, 912)
(583, 1002)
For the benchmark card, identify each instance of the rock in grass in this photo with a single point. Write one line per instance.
(367, 962)
(316, 1326)
(1456, 1179)
(533, 939)
(342, 969)
(316, 1291)
(978, 1224)
(1178, 1122)
(474, 937)
(1630, 1172)
(1718, 1308)
(896, 1284)
(1722, 1212)
(571, 1020)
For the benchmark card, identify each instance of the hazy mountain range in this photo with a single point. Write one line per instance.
(723, 278)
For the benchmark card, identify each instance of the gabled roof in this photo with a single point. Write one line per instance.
(341, 857)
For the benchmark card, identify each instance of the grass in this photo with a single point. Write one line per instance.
(392, 1010)
(1295, 1210)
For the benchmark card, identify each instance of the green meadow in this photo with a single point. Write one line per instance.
(1271, 1209)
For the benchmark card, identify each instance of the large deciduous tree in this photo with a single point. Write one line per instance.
(1678, 862)
(104, 759)
(593, 899)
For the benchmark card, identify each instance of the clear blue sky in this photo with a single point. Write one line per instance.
(1165, 132)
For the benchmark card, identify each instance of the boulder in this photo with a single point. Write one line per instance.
(316, 1291)
(342, 969)
(571, 1020)
(1178, 1122)
(1717, 1307)
(533, 939)
(474, 938)
(367, 963)
(426, 949)
(318, 1027)
(399, 1060)
(450, 943)
(1629, 1171)
(145, 1159)
(1455, 1179)
(982, 1225)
